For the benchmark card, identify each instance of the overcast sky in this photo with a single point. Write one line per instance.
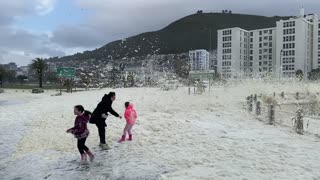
(45, 28)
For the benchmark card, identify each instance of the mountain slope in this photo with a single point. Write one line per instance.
(191, 32)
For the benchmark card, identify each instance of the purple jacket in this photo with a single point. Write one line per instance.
(80, 129)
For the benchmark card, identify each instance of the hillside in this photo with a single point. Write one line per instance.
(191, 32)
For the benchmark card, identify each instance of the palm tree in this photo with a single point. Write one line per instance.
(2, 74)
(299, 74)
(39, 66)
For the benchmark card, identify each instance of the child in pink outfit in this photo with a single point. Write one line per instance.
(130, 115)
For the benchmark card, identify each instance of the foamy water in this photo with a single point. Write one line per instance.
(177, 136)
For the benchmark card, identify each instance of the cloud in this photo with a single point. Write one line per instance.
(45, 6)
(115, 19)
(18, 43)
(21, 45)
(106, 20)
(78, 36)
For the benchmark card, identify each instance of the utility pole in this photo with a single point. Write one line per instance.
(210, 37)
(280, 70)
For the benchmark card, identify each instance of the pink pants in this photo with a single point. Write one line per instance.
(128, 129)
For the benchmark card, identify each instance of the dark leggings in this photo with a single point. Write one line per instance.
(81, 145)
(102, 132)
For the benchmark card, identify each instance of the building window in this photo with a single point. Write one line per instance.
(227, 38)
(260, 45)
(265, 38)
(251, 39)
(270, 57)
(227, 32)
(260, 33)
(226, 51)
(251, 33)
(251, 51)
(226, 44)
(260, 39)
(270, 31)
(270, 44)
(288, 38)
(251, 58)
(265, 31)
(270, 38)
(270, 50)
(251, 46)
(289, 31)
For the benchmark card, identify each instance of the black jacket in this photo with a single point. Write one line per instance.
(104, 107)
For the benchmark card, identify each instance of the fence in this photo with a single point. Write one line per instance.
(301, 111)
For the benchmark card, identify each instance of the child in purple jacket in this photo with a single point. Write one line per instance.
(81, 132)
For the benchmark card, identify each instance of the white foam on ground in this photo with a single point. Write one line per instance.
(177, 137)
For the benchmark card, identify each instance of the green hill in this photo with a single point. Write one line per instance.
(191, 32)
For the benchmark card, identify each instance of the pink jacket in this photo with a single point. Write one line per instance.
(130, 114)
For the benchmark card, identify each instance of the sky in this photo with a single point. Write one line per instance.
(50, 28)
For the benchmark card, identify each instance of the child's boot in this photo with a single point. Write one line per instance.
(84, 158)
(91, 156)
(123, 138)
(130, 137)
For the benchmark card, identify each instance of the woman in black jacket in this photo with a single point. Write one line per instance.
(100, 114)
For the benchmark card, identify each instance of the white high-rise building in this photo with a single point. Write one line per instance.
(297, 45)
(233, 49)
(262, 52)
(199, 60)
(294, 44)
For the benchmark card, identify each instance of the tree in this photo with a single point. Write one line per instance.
(124, 81)
(52, 77)
(2, 74)
(130, 79)
(86, 80)
(114, 77)
(22, 78)
(39, 66)
(68, 83)
(314, 74)
(11, 76)
(182, 68)
(299, 74)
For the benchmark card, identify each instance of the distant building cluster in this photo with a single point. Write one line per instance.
(292, 45)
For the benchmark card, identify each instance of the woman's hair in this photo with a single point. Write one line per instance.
(111, 94)
(81, 109)
(126, 104)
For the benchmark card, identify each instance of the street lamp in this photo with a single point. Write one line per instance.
(280, 70)
(210, 35)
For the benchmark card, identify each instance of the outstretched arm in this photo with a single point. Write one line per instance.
(113, 112)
